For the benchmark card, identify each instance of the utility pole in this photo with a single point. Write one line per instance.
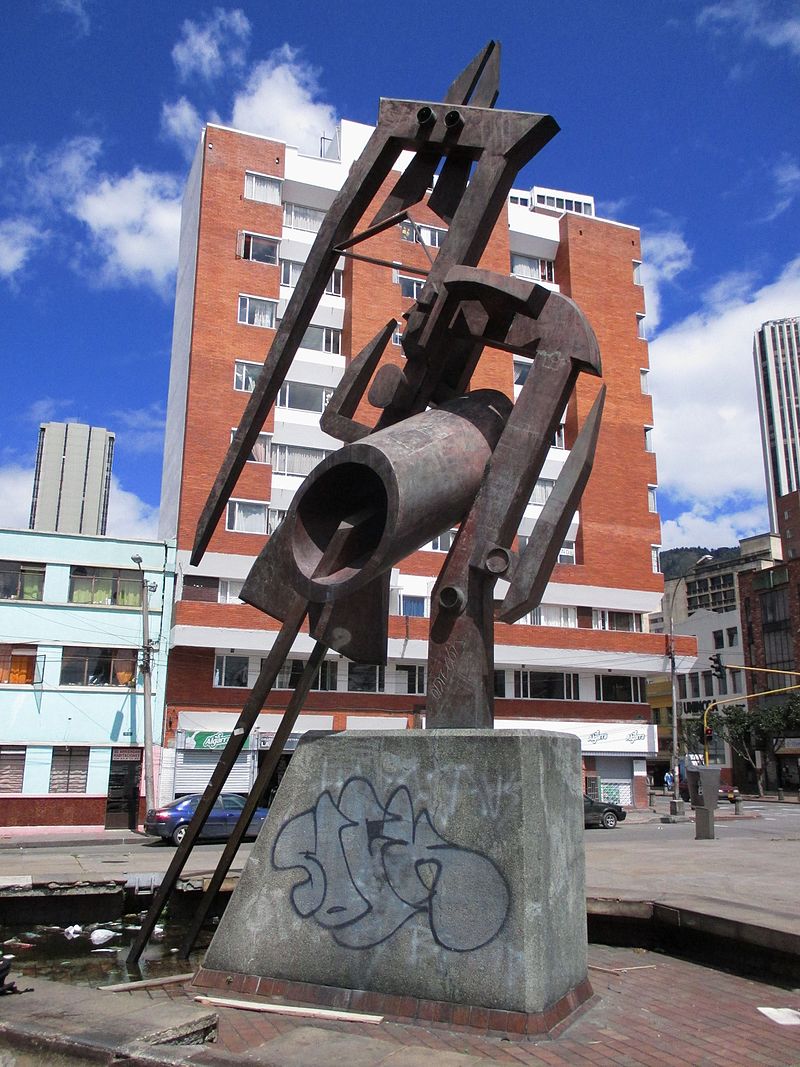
(149, 789)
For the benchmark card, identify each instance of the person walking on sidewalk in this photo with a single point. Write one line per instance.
(669, 781)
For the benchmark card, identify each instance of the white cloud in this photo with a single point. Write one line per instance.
(706, 421)
(18, 238)
(46, 410)
(786, 175)
(129, 516)
(208, 49)
(713, 527)
(281, 100)
(181, 122)
(134, 222)
(16, 489)
(76, 9)
(140, 430)
(757, 20)
(665, 254)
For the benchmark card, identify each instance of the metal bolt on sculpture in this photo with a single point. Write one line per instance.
(438, 455)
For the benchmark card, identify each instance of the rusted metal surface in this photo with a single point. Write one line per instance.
(438, 455)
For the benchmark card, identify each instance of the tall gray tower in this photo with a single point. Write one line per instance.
(72, 479)
(776, 355)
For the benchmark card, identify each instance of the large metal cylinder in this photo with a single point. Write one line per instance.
(375, 501)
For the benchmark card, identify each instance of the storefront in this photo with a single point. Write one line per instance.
(614, 755)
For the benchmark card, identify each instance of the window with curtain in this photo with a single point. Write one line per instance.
(245, 375)
(19, 665)
(303, 396)
(257, 311)
(433, 236)
(300, 217)
(200, 587)
(296, 459)
(69, 769)
(21, 581)
(230, 672)
(105, 586)
(259, 249)
(247, 516)
(98, 666)
(414, 606)
(262, 187)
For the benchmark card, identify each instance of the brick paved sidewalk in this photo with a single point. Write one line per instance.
(660, 1011)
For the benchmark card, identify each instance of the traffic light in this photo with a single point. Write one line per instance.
(709, 733)
(717, 667)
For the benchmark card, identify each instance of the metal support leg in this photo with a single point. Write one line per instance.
(244, 724)
(262, 781)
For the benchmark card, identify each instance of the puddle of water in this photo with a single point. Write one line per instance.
(46, 951)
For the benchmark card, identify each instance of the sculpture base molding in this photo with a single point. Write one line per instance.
(493, 1021)
(425, 868)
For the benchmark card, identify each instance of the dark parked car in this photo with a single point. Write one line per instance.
(598, 813)
(171, 820)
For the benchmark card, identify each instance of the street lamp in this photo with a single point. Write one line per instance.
(147, 588)
(673, 675)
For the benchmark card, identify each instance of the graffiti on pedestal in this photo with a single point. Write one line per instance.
(371, 867)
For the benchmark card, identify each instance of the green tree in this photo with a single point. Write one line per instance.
(763, 728)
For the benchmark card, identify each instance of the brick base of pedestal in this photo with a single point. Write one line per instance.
(490, 1021)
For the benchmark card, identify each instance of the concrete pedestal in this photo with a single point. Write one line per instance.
(704, 824)
(442, 866)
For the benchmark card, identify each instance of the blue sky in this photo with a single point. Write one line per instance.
(680, 118)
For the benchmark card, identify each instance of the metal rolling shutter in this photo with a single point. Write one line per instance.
(194, 769)
(12, 768)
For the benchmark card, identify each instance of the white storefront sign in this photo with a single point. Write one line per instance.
(597, 738)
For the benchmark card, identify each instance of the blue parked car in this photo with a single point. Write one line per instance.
(171, 821)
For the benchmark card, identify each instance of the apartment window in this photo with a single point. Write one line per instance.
(561, 615)
(230, 672)
(274, 518)
(694, 684)
(245, 374)
(410, 287)
(641, 332)
(682, 686)
(257, 311)
(523, 201)
(69, 769)
(732, 634)
(545, 685)
(566, 554)
(637, 272)
(21, 581)
(303, 396)
(532, 269)
(443, 542)
(648, 438)
(722, 685)
(559, 440)
(655, 561)
(105, 586)
(433, 236)
(644, 381)
(542, 490)
(247, 516)
(652, 501)
(99, 666)
(300, 217)
(717, 637)
(627, 621)
(200, 587)
(736, 681)
(522, 369)
(323, 339)
(292, 671)
(397, 337)
(410, 678)
(413, 606)
(621, 688)
(260, 451)
(262, 188)
(365, 678)
(12, 768)
(229, 590)
(257, 248)
(708, 684)
(19, 665)
(296, 459)
(499, 683)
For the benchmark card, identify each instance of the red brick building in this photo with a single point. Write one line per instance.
(251, 210)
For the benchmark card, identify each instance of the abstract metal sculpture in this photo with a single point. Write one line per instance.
(438, 455)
